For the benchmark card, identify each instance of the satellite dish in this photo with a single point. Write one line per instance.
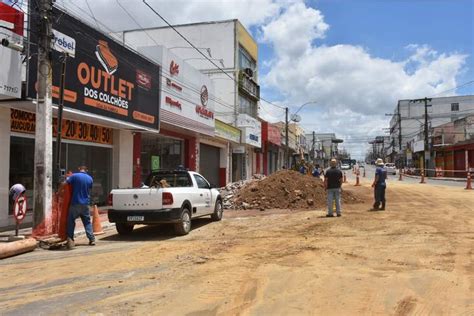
(296, 118)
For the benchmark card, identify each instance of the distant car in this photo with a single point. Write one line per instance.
(361, 165)
(345, 166)
(391, 169)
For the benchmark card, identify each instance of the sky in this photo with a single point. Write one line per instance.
(353, 58)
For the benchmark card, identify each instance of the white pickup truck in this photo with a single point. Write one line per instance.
(167, 197)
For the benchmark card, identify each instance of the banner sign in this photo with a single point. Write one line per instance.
(25, 122)
(104, 77)
(251, 130)
(227, 131)
(11, 28)
(274, 135)
(187, 95)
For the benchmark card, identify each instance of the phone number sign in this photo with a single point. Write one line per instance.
(25, 122)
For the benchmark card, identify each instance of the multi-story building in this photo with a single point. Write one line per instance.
(408, 120)
(225, 52)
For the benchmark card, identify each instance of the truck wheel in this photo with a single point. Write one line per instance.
(124, 228)
(218, 210)
(184, 226)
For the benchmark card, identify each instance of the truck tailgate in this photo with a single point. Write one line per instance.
(137, 199)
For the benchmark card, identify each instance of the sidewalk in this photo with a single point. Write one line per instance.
(436, 178)
(79, 231)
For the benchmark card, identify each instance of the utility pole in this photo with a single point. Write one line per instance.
(426, 153)
(42, 207)
(313, 148)
(287, 154)
(400, 133)
(57, 154)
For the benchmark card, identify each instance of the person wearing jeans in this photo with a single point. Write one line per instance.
(81, 185)
(332, 184)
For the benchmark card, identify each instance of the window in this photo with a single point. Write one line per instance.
(454, 107)
(247, 106)
(201, 182)
(245, 61)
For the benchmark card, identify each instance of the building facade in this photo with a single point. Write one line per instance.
(231, 65)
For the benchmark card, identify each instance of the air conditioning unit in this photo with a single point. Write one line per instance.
(248, 72)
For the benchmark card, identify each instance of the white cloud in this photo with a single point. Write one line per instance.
(354, 89)
(249, 12)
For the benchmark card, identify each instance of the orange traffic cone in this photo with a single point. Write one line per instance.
(422, 176)
(357, 179)
(96, 225)
(345, 179)
(468, 182)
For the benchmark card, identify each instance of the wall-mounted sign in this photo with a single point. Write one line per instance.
(186, 96)
(274, 135)
(104, 78)
(11, 21)
(64, 44)
(251, 130)
(227, 131)
(25, 122)
(155, 163)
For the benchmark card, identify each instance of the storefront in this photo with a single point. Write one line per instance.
(187, 114)
(107, 99)
(245, 155)
(230, 136)
(271, 143)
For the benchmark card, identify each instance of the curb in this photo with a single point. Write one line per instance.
(82, 231)
(435, 178)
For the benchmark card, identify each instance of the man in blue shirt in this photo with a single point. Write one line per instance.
(379, 185)
(81, 185)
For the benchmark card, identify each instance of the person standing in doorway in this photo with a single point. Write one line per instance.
(379, 185)
(81, 184)
(332, 184)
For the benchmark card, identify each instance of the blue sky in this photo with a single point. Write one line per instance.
(385, 28)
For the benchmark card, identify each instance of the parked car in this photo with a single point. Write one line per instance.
(345, 166)
(175, 197)
(391, 169)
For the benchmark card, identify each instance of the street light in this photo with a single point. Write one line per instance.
(294, 118)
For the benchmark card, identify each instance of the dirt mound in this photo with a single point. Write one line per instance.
(285, 189)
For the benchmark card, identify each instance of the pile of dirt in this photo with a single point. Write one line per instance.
(281, 190)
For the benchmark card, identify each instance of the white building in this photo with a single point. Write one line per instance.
(407, 123)
(233, 72)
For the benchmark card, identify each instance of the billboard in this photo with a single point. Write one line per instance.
(11, 26)
(103, 78)
(186, 98)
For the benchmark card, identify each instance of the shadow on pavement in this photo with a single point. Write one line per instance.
(156, 232)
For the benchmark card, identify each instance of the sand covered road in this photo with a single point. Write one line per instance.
(414, 258)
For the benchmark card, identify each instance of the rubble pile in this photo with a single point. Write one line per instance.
(230, 191)
(281, 190)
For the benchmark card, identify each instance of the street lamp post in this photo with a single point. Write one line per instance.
(295, 118)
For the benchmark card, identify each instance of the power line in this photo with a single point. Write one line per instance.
(199, 51)
(455, 88)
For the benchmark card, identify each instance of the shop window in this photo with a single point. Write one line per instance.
(454, 107)
(97, 159)
(158, 152)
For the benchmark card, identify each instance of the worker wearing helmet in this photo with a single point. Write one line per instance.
(379, 185)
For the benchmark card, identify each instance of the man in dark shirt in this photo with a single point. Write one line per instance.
(379, 185)
(81, 185)
(332, 184)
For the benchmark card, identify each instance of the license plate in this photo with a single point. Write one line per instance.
(135, 218)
